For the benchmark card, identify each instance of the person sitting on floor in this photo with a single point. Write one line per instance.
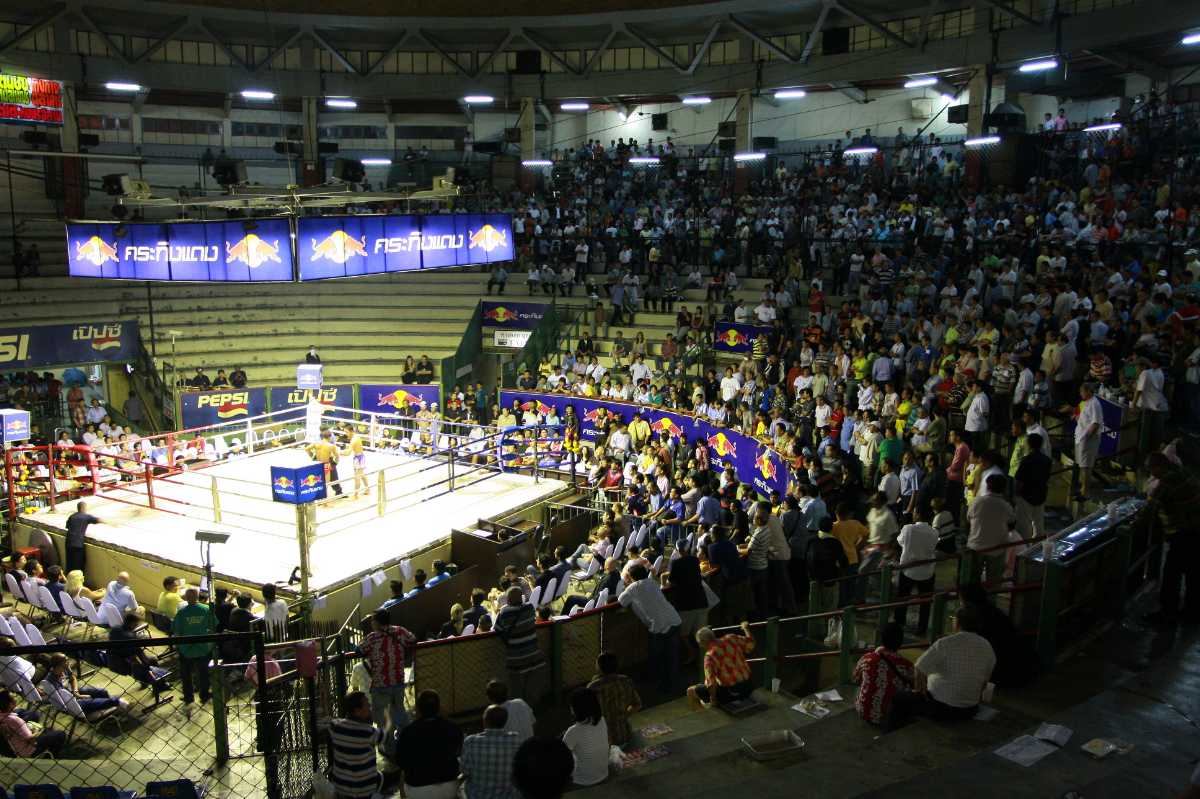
(619, 698)
(726, 672)
(1016, 660)
(950, 676)
(881, 674)
(587, 738)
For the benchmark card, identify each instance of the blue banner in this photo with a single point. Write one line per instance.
(235, 251)
(733, 337)
(310, 375)
(55, 345)
(396, 398)
(283, 398)
(346, 246)
(14, 425)
(205, 408)
(1110, 430)
(754, 463)
(513, 315)
(297, 486)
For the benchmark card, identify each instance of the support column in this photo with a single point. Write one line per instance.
(526, 123)
(73, 170)
(977, 101)
(310, 169)
(744, 116)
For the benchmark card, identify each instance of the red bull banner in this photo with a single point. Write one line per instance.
(205, 408)
(734, 337)
(233, 251)
(347, 246)
(753, 463)
(57, 345)
(391, 398)
(283, 398)
(513, 315)
(297, 486)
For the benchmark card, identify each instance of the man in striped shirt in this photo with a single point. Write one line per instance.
(516, 625)
(353, 740)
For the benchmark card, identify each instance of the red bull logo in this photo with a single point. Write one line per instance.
(399, 399)
(283, 483)
(310, 480)
(253, 251)
(667, 425)
(722, 445)
(593, 415)
(95, 251)
(15, 427)
(734, 338)
(488, 238)
(339, 247)
(542, 408)
(499, 314)
(766, 465)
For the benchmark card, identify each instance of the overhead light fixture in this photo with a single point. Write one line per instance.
(646, 160)
(257, 94)
(945, 98)
(1101, 127)
(115, 86)
(790, 94)
(537, 162)
(981, 141)
(574, 106)
(749, 156)
(1038, 66)
(1191, 38)
(861, 151)
(479, 99)
(696, 100)
(916, 83)
(376, 162)
(340, 102)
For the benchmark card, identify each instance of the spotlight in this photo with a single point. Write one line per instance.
(790, 94)
(1038, 66)
(696, 100)
(981, 141)
(257, 94)
(115, 86)
(916, 83)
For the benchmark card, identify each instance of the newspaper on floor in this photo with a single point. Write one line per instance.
(1025, 750)
(812, 707)
(656, 730)
(1056, 734)
(831, 695)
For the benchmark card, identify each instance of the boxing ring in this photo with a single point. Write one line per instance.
(418, 480)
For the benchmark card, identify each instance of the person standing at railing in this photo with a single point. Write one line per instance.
(1173, 501)
(990, 517)
(194, 619)
(77, 524)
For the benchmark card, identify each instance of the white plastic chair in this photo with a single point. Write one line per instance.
(29, 691)
(589, 572)
(619, 550)
(602, 599)
(91, 612)
(19, 634)
(575, 610)
(657, 567)
(548, 593)
(220, 446)
(563, 584)
(47, 601)
(111, 615)
(468, 630)
(73, 614)
(591, 603)
(65, 702)
(639, 537)
(34, 635)
(4, 626)
(608, 551)
(14, 588)
(535, 596)
(29, 589)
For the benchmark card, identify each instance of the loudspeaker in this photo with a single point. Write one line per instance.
(727, 146)
(89, 140)
(765, 142)
(229, 173)
(529, 62)
(348, 170)
(835, 41)
(488, 147)
(726, 130)
(957, 114)
(658, 121)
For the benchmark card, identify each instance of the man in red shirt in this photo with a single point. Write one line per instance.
(726, 672)
(880, 674)
(384, 649)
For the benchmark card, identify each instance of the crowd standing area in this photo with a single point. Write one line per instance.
(931, 354)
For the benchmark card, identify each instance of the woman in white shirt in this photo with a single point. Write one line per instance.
(587, 738)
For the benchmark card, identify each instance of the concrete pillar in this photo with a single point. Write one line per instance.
(977, 108)
(70, 129)
(526, 122)
(135, 127)
(308, 127)
(744, 116)
(226, 133)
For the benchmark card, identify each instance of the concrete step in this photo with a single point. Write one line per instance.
(325, 341)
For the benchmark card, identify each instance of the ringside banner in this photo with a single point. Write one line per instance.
(204, 408)
(753, 462)
(53, 345)
(283, 398)
(734, 337)
(346, 246)
(234, 251)
(513, 315)
(397, 398)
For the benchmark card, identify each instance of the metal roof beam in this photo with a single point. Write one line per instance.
(337, 54)
(429, 40)
(872, 23)
(544, 47)
(850, 90)
(201, 26)
(762, 40)
(41, 23)
(601, 50)
(1133, 63)
(654, 48)
(1007, 8)
(925, 19)
(386, 54)
(487, 62)
(708, 40)
(91, 23)
(170, 35)
(811, 40)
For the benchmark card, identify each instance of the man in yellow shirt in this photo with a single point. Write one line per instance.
(326, 451)
(853, 534)
(639, 431)
(170, 598)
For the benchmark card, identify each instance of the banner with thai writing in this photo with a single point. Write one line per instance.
(229, 251)
(513, 315)
(283, 398)
(346, 246)
(753, 462)
(396, 398)
(55, 345)
(34, 101)
(734, 337)
(206, 408)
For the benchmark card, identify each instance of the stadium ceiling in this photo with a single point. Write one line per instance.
(1139, 37)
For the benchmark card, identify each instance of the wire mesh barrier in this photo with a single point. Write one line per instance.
(107, 713)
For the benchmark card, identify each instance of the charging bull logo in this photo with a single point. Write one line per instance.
(284, 483)
(95, 251)
(339, 247)
(310, 480)
(668, 427)
(400, 399)
(226, 405)
(722, 445)
(14, 428)
(766, 465)
(734, 338)
(595, 415)
(499, 314)
(253, 251)
(488, 238)
(542, 408)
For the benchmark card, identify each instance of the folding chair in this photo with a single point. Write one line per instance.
(74, 613)
(548, 592)
(14, 588)
(583, 575)
(91, 612)
(29, 589)
(591, 603)
(468, 630)
(64, 702)
(657, 567)
(562, 588)
(19, 633)
(619, 550)
(175, 789)
(602, 598)
(50, 604)
(101, 792)
(37, 792)
(34, 634)
(535, 596)
(575, 610)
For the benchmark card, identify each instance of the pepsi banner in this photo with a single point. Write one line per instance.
(393, 398)
(207, 408)
(753, 462)
(233, 251)
(283, 398)
(14, 425)
(513, 315)
(54, 345)
(734, 337)
(346, 246)
(298, 485)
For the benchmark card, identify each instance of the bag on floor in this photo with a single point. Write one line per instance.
(833, 634)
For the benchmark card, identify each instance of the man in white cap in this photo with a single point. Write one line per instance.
(1163, 286)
